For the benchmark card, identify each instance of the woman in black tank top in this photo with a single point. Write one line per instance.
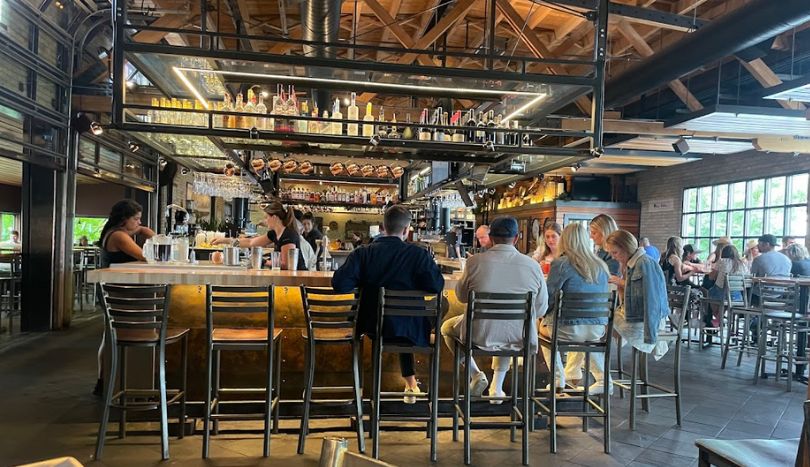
(117, 242)
(118, 246)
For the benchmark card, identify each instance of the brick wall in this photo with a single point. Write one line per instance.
(667, 184)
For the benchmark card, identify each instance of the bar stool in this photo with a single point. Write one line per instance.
(779, 315)
(90, 262)
(503, 307)
(413, 304)
(137, 316)
(11, 290)
(78, 277)
(236, 302)
(578, 305)
(679, 298)
(331, 320)
(740, 316)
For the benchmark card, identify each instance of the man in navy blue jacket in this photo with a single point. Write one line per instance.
(391, 263)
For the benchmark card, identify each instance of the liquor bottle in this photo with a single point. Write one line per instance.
(527, 139)
(200, 118)
(407, 133)
(337, 116)
(228, 104)
(436, 119)
(303, 125)
(151, 115)
(368, 130)
(352, 113)
(240, 107)
(470, 124)
(261, 108)
(291, 109)
(250, 107)
(187, 118)
(174, 118)
(448, 133)
(325, 127)
(424, 133)
(459, 136)
(480, 134)
(491, 127)
(500, 135)
(514, 134)
(393, 131)
(382, 128)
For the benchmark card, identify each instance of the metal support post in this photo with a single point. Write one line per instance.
(600, 58)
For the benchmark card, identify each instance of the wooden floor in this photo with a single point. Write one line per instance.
(46, 410)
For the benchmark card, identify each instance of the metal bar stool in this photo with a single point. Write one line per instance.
(78, 277)
(331, 319)
(137, 316)
(503, 307)
(779, 315)
(679, 298)
(236, 302)
(577, 305)
(740, 317)
(413, 304)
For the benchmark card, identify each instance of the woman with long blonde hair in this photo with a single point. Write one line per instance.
(600, 228)
(549, 248)
(577, 269)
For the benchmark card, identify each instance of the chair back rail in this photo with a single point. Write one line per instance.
(678, 297)
(143, 307)
(779, 298)
(324, 308)
(409, 303)
(227, 305)
(499, 307)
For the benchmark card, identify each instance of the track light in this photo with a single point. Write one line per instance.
(184, 171)
(596, 153)
(680, 146)
(133, 146)
(96, 129)
(575, 167)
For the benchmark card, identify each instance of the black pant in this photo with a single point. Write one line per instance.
(406, 365)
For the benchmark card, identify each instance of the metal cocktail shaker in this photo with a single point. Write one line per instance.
(292, 259)
(256, 258)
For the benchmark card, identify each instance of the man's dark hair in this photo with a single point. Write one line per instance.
(15, 232)
(308, 217)
(396, 219)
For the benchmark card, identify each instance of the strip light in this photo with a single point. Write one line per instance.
(524, 108)
(537, 96)
(191, 88)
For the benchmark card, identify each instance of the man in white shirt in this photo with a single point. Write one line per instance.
(13, 244)
(501, 269)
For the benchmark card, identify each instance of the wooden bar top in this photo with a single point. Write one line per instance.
(208, 273)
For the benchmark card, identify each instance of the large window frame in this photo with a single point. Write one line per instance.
(745, 209)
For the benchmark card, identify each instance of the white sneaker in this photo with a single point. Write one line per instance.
(496, 394)
(411, 399)
(478, 384)
(598, 388)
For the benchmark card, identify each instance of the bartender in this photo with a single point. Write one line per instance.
(453, 240)
(281, 233)
(311, 233)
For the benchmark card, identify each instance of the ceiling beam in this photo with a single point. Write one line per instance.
(457, 13)
(641, 46)
(171, 20)
(532, 41)
(768, 79)
(393, 11)
(398, 31)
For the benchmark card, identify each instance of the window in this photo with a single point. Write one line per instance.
(6, 226)
(745, 210)
(89, 227)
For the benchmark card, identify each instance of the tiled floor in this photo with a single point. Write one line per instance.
(46, 410)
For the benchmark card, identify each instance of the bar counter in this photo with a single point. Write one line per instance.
(187, 309)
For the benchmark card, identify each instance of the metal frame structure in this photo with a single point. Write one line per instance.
(210, 47)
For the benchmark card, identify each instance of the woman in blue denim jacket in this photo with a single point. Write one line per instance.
(644, 290)
(578, 269)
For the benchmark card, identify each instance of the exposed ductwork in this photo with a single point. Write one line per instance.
(321, 23)
(745, 27)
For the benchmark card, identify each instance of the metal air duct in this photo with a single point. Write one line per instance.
(321, 23)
